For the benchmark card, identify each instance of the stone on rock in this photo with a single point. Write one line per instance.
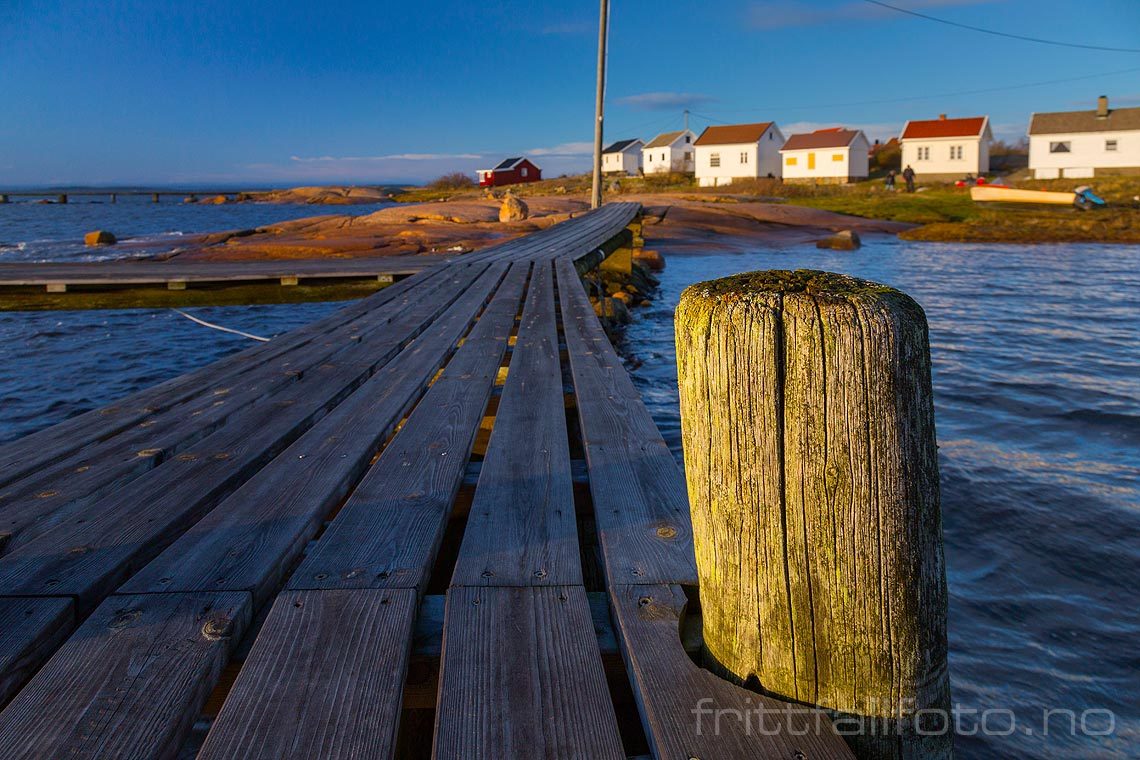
(513, 209)
(652, 259)
(847, 240)
(613, 310)
(99, 237)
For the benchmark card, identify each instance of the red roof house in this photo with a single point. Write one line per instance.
(511, 171)
(947, 149)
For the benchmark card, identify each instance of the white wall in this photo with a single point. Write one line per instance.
(740, 161)
(677, 157)
(975, 157)
(852, 162)
(1087, 154)
(626, 162)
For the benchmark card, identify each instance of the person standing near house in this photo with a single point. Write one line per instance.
(908, 176)
(891, 181)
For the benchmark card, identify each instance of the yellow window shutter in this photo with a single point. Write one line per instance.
(811, 160)
(837, 157)
(790, 161)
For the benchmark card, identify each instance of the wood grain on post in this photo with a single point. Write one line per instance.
(808, 426)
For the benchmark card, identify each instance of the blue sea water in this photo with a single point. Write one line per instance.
(1036, 355)
(1036, 359)
(56, 364)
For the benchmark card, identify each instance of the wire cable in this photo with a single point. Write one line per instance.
(909, 98)
(204, 323)
(1021, 37)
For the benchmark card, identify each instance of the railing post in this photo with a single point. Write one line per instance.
(808, 427)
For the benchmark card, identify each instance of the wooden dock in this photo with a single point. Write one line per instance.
(439, 522)
(123, 283)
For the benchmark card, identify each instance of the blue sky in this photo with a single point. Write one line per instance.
(295, 91)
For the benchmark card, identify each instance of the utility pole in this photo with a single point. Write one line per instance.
(599, 106)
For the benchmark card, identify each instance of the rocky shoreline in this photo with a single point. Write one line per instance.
(467, 224)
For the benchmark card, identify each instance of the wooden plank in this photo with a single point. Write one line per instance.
(324, 679)
(89, 554)
(248, 540)
(522, 677)
(102, 464)
(386, 535)
(36, 450)
(680, 702)
(139, 272)
(30, 629)
(522, 528)
(130, 682)
(640, 504)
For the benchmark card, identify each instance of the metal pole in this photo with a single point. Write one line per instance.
(599, 106)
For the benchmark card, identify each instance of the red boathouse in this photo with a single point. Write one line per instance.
(512, 171)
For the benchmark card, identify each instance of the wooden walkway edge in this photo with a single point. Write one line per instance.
(439, 522)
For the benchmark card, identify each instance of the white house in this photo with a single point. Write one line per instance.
(826, 156)
(1085, 143)
(669, 152)
(947, 149)
(623, 157)
(738, 151)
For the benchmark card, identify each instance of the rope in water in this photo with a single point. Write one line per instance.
(204, 323)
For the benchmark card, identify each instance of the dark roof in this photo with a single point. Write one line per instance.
(822, 138)
(620, 145)
(943, 127)
(508, 163)
(1084, 121)
(731, 134)
(665, 139)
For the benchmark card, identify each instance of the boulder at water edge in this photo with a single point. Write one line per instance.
(99, 237)
(847, 240)
(652, 259)
(513, 210)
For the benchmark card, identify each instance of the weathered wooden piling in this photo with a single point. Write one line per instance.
(154, 197)
(3, 198)
(62, 198)
(808, 427)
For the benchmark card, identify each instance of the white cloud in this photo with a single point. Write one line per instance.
(563, 149)
(392, 157)
(663, 101)
(778, 14)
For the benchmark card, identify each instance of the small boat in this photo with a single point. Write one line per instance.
(997, 194)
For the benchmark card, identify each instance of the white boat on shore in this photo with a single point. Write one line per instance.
(998, 194)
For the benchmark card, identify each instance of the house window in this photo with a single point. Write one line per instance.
(1060, 147)
(714, 159)
(688, 156)
(743, 158)
(955, 152)
(522, 171)
(688, 139)
(924, 153)
(836, 156)
(1110, 145)
(662, 156)
(790, 161)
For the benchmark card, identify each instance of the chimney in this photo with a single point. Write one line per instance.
(1102, 107)
(942, 117)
